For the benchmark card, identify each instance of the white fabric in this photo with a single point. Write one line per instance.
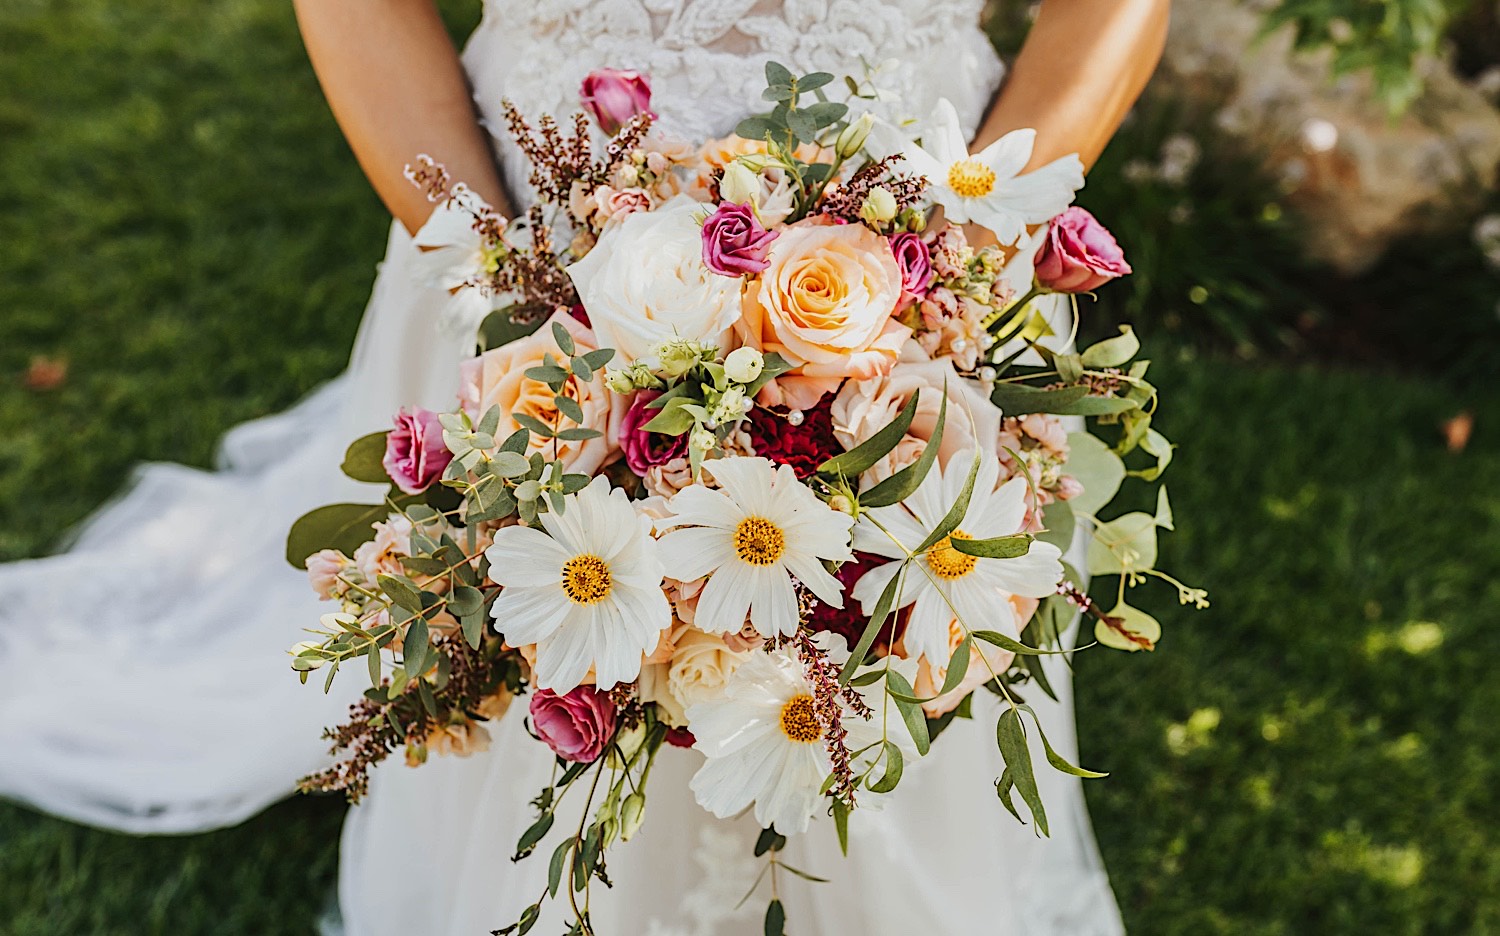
(146, 683)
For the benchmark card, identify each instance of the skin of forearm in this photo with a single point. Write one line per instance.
(1082, 67)
(397, 88)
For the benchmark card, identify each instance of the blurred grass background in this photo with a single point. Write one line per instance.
(187, 235)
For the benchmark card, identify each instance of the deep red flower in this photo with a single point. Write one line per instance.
(804, 446)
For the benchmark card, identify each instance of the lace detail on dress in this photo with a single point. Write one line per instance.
(706, 57)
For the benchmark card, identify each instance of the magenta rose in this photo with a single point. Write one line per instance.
(734, 243)
(643, 449)
(576, 726)
(415, 455)
(915, 261)
(614, 96)
(1079, 255)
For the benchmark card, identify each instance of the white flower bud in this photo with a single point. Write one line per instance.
(842, 504)
(743, 365)
(739, 184)
(703, 440)
(619, 381)
(853, 137)
(879, 206)
(677, 356)
(632, 814)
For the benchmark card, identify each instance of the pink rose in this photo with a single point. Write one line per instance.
(734, 243)
(614, 96)
(915, 261)
(645, 449)
(1079, 255)
(323, 570)
(576, 726)
(415, 455)
(824, 304)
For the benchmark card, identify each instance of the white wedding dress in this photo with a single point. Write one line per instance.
(147, 687)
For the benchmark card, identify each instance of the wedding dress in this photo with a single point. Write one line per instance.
(147, 687)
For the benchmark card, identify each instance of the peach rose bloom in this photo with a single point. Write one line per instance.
(824, 304)
(697, 671)
(864, 407)
(498, 378)
(994, 662)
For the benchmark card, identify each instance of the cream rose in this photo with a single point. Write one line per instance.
(645, 282)
(864, 407)
(700, 666)
(498, 378)
(825, 304)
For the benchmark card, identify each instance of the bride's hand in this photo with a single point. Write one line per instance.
(397, 88)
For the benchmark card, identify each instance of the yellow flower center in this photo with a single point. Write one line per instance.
(799, 720)
(759, 541)
(971, 178)
(586, 579)
(947, 562)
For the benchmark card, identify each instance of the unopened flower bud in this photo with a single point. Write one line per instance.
(703, 440)
(739, 184)
(618, 381)
(879, 206)
(914, 220)
(842, 504)
(743, 365)
(632, 814)
(677, 356)
(853, 137)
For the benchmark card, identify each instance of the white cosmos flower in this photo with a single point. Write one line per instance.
(750, 537)
(587, 592)
(987, 187)
(450, 254)
(764, 745)
(945, 580)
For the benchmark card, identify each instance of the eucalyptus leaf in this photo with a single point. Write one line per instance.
(414, 648)
(334, 526)
(1055, 759)
(862, 457)
(901, 485)
(1112, 352)
(1125, 543)
(1132, 629)
(998, 547)
(1060, 525)
(956, 512)
(1095, 466)
(911, 712)
(895, 765)
(872, 627)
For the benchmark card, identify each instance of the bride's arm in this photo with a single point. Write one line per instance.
(397, 89)
(1081, 68)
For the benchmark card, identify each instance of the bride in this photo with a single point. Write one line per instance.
(181, 714)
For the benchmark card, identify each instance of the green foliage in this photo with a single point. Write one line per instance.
(1389, 38)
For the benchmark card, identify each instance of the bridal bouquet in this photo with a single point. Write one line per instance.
(770, 460)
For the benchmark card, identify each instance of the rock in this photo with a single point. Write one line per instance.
(1360, 177)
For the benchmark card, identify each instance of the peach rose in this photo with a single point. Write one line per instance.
(498, 378)
(825, 304)
(864, 407)
(697, 671)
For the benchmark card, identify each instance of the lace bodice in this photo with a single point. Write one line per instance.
(706, 57)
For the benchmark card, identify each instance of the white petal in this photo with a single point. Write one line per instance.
(563, 659)
(927, 629)
(1042, 194)
(747, 481)
(525, 556)
(1034, 575)
(898, 523)
(1008, 155)
(1000, 513)
(724, 726)
(773, 607)
(724, 602)
(693, 552)
(697, 505)
(527, 615)
(812, 574)
(947, 144)
(868, 587)
(1008, 226)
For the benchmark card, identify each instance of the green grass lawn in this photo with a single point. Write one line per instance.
(1315, 754)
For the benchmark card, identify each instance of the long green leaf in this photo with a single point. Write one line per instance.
(335, 526)
(862, 457)
(901, 485)
(1056, 759)
(911, 712)
(1017, 753)
(867, 639)
(955, 514)
(999, 547)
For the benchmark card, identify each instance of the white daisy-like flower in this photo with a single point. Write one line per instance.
(750, 537)
(987, 187)
(450, 254)
(587, 592)
(943, 580)
(764, 745)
